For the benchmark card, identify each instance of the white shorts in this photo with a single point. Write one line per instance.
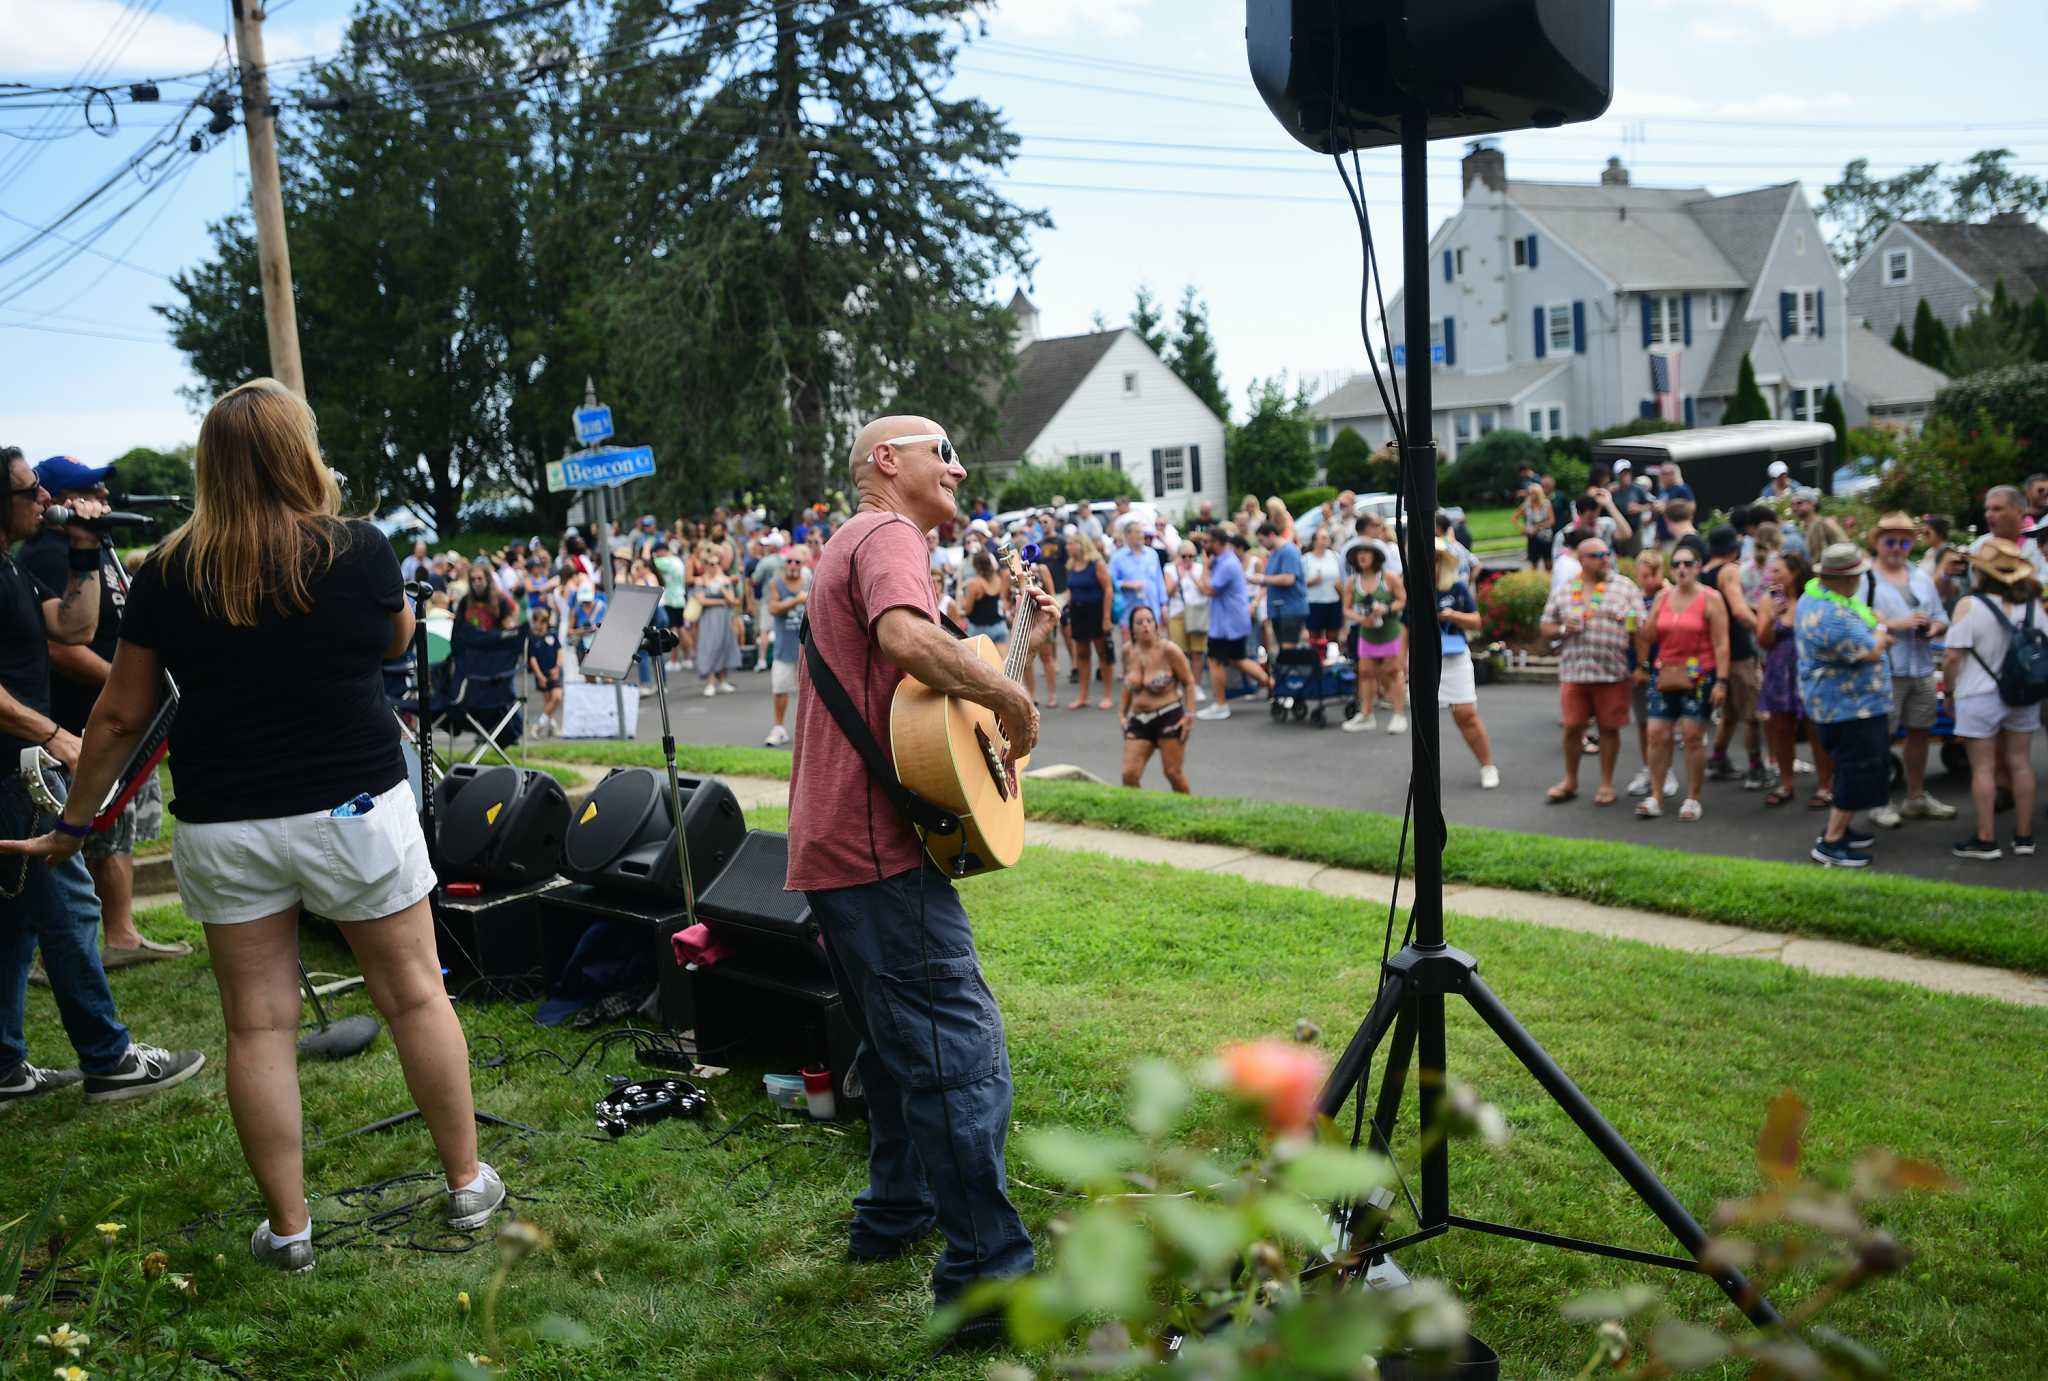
(782, 676)
(1457, 686)
(341, 867)
(1984, 715)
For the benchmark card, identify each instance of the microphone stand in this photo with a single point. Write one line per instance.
(423, 680)
(657, 642)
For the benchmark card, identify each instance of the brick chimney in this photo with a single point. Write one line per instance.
(1484, 162)
(1614, 174)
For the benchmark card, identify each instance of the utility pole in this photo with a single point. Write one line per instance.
(273, 256)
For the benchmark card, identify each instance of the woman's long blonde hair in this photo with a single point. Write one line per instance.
(263, 524)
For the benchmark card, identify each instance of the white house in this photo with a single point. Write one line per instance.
(1953, 266)
(1559, 308)
(1107, 399)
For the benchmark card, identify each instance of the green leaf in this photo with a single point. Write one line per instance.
(1157, 1094)
(1599, 1305)
(1329, 1172)
(1298, 1220)
(1684, 1346)
(1207, 1235)
(1105, 1263)
(1078, 1159)
(1849, 1357)
(567, 1332)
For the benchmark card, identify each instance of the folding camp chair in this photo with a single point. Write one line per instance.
(486, 694)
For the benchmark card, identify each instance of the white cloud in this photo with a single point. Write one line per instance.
(1719, 28)
(1640, 103)
(1814, 18)
(1057, 18)
(54, 41)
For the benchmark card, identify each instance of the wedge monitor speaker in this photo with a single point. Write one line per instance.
(1339, 73)
(500, 826)
(622, 838)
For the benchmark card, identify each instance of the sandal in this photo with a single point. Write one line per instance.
(1559, 794)
(1604, 796)
(1689, 810)
(1778, 796)
(1648, 810)
(1820, 800)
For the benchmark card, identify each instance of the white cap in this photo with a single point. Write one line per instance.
(773, 540)
(1777, 468)
(978, 525)
(1069, 530)
(1623, 464)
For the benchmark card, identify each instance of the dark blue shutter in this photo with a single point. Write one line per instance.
(1540, 333)
(1195, 468)
(1820, 312)
(1532, 251)
(1158, 474)
(1450, 340)
(1647, 306)
(1647, 408)
(1685, 313)
(1447, 266)
(1788, 312)
(1578, 328)
(1688, 412)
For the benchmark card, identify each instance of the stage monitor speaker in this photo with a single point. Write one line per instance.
(748, 908)
(622, 838)
(1339, 73)
(500, 826)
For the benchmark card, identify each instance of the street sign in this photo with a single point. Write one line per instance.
(1436, 353)
(593, 424)
(1400, 357)
(599, 469)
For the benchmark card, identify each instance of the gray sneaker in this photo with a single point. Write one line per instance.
(293, 1258)
(469, 1209)
(25, 1081)
(144, 1070)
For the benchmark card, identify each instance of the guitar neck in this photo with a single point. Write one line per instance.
(1019, 654)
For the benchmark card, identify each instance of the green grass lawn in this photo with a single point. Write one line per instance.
(1491, 524)
(1951, 920)
(690, 1259)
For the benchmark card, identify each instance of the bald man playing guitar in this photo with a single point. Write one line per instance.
(932, 1061)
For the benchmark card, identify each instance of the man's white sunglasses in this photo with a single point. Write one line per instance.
(946, 451)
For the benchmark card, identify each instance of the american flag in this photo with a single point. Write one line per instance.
(1664, 384)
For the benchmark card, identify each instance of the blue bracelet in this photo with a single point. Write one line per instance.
(63, 826)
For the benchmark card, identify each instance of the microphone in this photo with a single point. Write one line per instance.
(156, 501)
(57, 515)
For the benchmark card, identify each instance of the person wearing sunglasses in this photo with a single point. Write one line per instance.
(898, 941)
(1688, 628)
(1908, 604)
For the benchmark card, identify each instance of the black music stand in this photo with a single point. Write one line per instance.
(1410, 1004)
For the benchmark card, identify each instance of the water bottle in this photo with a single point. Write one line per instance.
(361, 805)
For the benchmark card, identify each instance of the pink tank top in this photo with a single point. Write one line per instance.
(1682, 634)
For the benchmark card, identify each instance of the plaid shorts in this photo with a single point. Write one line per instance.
(142, 820)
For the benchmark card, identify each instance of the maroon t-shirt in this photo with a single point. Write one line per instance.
(843, 831)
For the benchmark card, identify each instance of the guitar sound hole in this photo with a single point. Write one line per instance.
(997, 772)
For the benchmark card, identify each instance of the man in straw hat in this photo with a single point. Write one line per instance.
(1907, 604)
(1846, 688)
(2006, 598)
(1457, 614)
(2005, 518)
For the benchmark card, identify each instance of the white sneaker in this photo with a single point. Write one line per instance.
(1489, 777)
(759, 666)
(1214, 712)
(1639, 785)
(646, 691)
(1358, 724)
(1670, 783)
(710, 689)
(1801, 767)
(777, 737)
(1887, 816)
(1201, 696)
(1398, 724)
(726, 688)
(1924, 807)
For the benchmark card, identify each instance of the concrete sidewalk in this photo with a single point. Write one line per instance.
(1826, 957)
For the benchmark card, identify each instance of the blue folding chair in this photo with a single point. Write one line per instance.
(485, 694)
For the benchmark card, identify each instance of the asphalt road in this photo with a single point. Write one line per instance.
(1251, 756)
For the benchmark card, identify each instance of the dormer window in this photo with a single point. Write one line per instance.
(1898, 267)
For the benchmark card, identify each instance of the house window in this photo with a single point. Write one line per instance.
(1809, 311)
(1799, 242)
(1535, 421)
(1898, 266)
(1521, 252)
(1486, 422)
(1095, 458)
(1560, 316)
(1173, 469)
(1557, 422)
(1461, 430)
(1130, 383)
(1458, 258)
(1713, 309)
(1322, 434)
(1806, 403)
(1667, 319)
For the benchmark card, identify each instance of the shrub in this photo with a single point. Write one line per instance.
(1635, 426)
(1483, 475)
(1300, 501)
(1511, 608)
(2014, 397)
(1947, 468)
(1350, 463)
(1032, 485)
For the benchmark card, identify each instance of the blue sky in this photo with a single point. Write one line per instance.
(1727, 95)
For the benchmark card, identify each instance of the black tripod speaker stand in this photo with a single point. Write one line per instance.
(1410, 1005)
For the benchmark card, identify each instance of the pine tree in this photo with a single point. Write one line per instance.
(1149, 321)
(1748, 404)
(2035, 315)
(1832, 414)
(1192, 353)
(1931, 345)
(1900, 342)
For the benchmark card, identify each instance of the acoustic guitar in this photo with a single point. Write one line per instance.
(950, 751)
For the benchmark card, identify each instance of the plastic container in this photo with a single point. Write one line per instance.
(784, 1090)
(818, 1094)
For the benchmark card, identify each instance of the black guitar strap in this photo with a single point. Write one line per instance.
(925, 815)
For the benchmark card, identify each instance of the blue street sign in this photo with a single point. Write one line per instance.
(608, 467)
(1400, 356)
(593, 425)
(1436, 354)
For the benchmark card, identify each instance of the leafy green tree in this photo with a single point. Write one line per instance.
(1900, 341)
(1992, 339)
(1832, 414)
(1859, 206)
(1273, 450)
(1986, 187)
(1030, 486)
(1349, 464)
(1192, 353)
(1635, 426)
(146, 470)
(1148, 319)
(1748, 404)
(2035, 317)
(1931, 345)
(1483, 475)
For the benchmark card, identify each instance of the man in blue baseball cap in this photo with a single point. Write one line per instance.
(77, 672)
